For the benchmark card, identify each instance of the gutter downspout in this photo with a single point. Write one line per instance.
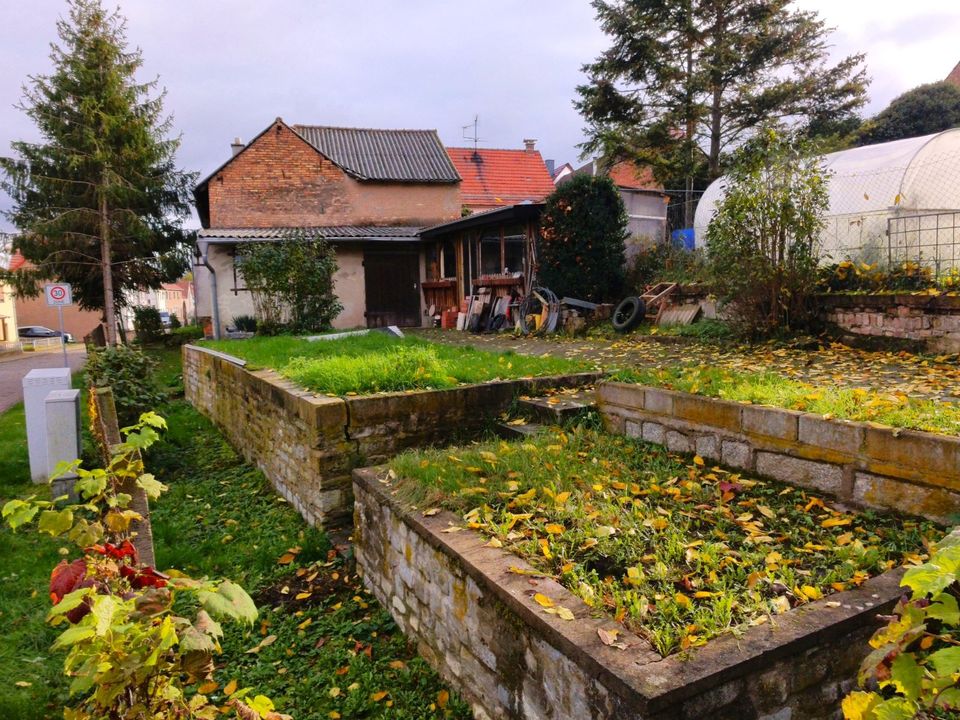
(214, 305)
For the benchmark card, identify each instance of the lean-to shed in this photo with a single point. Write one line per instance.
(889, 203)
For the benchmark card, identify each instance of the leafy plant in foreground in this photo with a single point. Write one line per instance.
(915, 663)
(132, 650)
(130, 372)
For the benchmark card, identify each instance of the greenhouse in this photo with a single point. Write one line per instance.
(890, 203)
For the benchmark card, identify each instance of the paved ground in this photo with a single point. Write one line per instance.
(13, 368)
(917, 376)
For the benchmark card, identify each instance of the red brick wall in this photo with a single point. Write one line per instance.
(281, 181)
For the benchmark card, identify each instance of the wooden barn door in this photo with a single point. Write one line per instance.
(392, 282)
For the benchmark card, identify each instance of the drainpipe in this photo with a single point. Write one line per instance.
(214, 305)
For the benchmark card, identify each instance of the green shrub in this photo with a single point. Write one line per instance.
(582, 233)
(175, 321)
(666, 262)
(147, 324)
(183, 335)
(129, 371)
(245, 323)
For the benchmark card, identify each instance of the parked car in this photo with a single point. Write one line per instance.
(33, 332)
(165, 319)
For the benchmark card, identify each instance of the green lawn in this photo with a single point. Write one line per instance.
(378, 363)
(896, 409)
(677, 551)
(333, 648)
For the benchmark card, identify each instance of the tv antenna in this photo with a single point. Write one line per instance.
(476, 135)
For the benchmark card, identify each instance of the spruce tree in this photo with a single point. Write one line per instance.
(685, 82)
(99, 200)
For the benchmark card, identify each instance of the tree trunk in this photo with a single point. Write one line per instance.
(106, 265)
(715, 118)
(108, 431)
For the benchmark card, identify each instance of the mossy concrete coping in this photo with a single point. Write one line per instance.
(800, 448)
(933, 303)
(728, 677)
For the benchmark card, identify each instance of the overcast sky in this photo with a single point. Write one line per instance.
(230, 68)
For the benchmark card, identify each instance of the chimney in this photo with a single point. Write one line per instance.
(236, 146)
(551, 166)
(530, 144)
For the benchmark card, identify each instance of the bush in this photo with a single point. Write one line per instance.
(245, 323)
(666, 262)
(582, 233)
(147, 324)
(183, 335)
(292, 282)
(762, 244)
(129, 371)
(175, 321)
(848, 276)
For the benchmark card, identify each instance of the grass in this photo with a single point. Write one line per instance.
(333, 651)
(895, 409)
(676, 551)
(377, 363)
(706, 330)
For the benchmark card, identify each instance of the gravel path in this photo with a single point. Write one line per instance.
(916, 375)
(13, 368)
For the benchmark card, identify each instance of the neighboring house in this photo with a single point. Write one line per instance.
(643, 197)
(176, 298)
(9, 260)
(954, 76)
(494, 178)
(366, 191)
(562, 173)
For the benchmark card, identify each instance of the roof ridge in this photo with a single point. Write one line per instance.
(369, 129)
(521, 150)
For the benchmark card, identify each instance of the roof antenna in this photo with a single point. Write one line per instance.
(476, 136)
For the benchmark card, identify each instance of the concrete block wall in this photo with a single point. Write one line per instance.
(890, 469)
(475, 621)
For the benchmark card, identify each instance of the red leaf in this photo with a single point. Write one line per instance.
(66, 578)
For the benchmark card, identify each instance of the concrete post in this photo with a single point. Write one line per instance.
(63, 436)
(37, 384)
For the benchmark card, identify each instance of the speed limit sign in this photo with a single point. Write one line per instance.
(58, 294)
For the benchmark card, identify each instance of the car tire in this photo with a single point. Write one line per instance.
(628, 313)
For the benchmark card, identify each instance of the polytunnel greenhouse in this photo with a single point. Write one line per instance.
(890, 203)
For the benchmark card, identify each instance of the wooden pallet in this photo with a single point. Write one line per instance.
(657, 297)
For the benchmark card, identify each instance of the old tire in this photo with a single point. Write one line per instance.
(628, 313)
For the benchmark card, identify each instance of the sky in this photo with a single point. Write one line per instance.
(231, 66)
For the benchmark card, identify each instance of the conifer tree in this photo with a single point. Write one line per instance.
(98, 200)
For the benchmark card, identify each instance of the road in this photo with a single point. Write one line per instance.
(13, 369)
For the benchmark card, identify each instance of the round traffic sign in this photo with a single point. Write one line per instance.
(58, 292)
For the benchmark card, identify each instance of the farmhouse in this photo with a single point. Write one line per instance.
(366, 191)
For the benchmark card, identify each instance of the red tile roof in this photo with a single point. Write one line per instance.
(492, 178)
(954, 77)
(634, 177)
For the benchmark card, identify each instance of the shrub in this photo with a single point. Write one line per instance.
(147, 324)
(915, 662)
(582, 233)
(665, 262)
(175, 321)
(762, 244)
(183, 335)
(129, 371)
(292, 282)
(848, 276)
(245, 323)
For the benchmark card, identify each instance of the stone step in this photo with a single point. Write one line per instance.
(559, 407)
(517, 432)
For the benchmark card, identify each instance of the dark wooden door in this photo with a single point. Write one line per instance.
(392, 281)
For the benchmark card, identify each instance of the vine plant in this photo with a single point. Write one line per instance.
(914, 668)
(132, 651)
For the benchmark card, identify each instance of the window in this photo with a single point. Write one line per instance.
(514, 248)
(449, 256)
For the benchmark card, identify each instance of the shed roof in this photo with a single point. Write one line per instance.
(385, 155)
(495, 177)
(337, 233)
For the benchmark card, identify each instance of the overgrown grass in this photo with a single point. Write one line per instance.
(766, 388)
(331, 652)
(676, 551)
(378, 363)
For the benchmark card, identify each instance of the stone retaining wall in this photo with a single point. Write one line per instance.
(931, 321)
(475, 621)
(912, 472)
(306, 444)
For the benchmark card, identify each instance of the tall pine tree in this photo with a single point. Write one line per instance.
(686, 81)
(99, 200)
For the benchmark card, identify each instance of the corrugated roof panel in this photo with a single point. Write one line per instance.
(337, 232)
(390, 155)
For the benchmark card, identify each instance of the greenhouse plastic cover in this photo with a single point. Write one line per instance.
(871, 185)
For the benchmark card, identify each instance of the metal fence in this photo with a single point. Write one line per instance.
(931, 240)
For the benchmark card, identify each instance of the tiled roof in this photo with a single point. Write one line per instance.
(626, 175)
(390, 155)
(500, 177)
(338, 232)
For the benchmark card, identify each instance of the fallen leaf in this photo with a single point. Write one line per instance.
(543, 600)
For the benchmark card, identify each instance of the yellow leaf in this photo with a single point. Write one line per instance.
(334, 692)
(23, 683)
(858, 705)
(397, 664)
(334, 715)
(431, 512)
(286, 559)
(488, 456)
(698, 461)
(543, 600)
(443, 697)
(564, 613)
(561, 498)
(207, 687)
(835, 522)
(700, 594)
(810, 592)
(766, 512)
(230, 688)
(303, 595)
(378, 696)
(682, 600)
(780, 604)
(555, 529)
(844, 539)
(545, 548)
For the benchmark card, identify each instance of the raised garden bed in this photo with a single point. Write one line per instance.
(570, 564)
(306, 443)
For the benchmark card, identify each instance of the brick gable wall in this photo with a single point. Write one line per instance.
(281, 181)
